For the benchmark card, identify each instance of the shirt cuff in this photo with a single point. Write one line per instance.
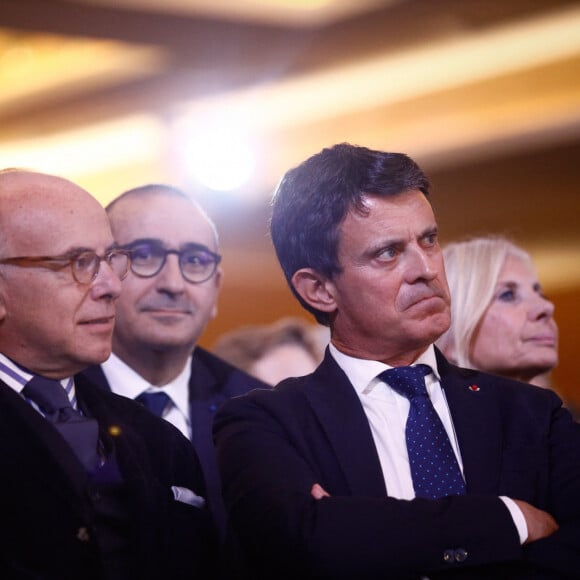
(517, 517)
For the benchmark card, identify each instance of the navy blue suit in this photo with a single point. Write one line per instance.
(49, 526)
(515, 440)
(212, 382)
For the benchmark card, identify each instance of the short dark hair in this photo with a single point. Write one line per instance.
(313, 199)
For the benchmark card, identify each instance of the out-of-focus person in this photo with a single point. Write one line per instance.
(501, 322)
(289, 347)
(169, 297)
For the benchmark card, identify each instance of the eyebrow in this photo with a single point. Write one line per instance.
(390, 242)
(80, 249)
(152, 241)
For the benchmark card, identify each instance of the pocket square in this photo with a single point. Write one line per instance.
(185, 495)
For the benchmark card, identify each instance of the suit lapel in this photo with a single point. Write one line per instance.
(51, 460)
(91, 401)
(144, 491)
(475, 413)
(474, 410)
(96, 376)
(337, 406)
(201, 385)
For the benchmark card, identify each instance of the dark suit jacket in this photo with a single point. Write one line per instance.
(47, 521)
(515, 440)
(212, 382)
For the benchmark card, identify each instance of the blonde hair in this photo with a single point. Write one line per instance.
(473, 267)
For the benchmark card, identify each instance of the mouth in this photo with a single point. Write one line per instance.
(422, 299)
(543, 340)
(164, 311)
(101, 321)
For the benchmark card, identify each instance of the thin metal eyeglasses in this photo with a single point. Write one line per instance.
(197, 263)
(84, 265)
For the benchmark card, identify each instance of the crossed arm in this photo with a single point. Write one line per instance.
(292, 504)
(540, 524)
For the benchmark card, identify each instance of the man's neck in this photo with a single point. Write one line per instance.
(157, 367)
(393, 359)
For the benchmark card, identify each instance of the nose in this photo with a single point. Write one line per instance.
(422, 265)
(106, 283)
(541, 307)
(170, 279)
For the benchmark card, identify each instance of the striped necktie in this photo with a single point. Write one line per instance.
(81, 433)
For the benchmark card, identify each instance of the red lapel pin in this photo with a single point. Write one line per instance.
(474, 388)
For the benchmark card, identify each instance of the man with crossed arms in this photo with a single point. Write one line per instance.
(388, 461)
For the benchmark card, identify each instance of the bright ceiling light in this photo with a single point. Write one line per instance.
(218, 154)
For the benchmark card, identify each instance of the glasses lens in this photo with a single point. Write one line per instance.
(147, 259)
(119, 262)
(197, 265)
(85, 266)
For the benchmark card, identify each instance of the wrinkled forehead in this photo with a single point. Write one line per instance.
(43, 214)
(174, 221)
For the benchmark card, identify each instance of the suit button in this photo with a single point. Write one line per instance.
(83, 534)
(449, 556)
(460, 555)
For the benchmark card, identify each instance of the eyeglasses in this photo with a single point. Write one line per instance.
(84, 265)
(196, 262)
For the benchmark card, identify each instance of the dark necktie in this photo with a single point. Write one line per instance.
(80, 432)
(434, 467)
(155, 402)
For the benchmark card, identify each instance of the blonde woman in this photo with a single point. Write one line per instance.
(501, 322)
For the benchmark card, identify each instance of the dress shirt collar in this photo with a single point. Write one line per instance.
(362, 373)
(123, 380)
(16, 377)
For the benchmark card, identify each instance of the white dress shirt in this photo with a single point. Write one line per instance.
(123, 380)
(387, 412)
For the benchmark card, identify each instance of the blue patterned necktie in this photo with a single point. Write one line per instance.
(434, 467)
(81, 433)
(155, 402)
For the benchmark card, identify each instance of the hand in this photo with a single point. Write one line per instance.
(540, 523)
(318, 492)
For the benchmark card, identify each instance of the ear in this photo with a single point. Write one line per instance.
(314, 289)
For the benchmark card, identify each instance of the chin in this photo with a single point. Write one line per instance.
(97, 357)
(175, 338)
(544, 361)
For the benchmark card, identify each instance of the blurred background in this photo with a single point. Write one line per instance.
(221, 97)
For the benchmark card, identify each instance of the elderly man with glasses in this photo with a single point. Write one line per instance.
(168, 298)
(93, 486)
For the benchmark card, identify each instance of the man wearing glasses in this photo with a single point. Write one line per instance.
(168, 298)
(93, 486)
